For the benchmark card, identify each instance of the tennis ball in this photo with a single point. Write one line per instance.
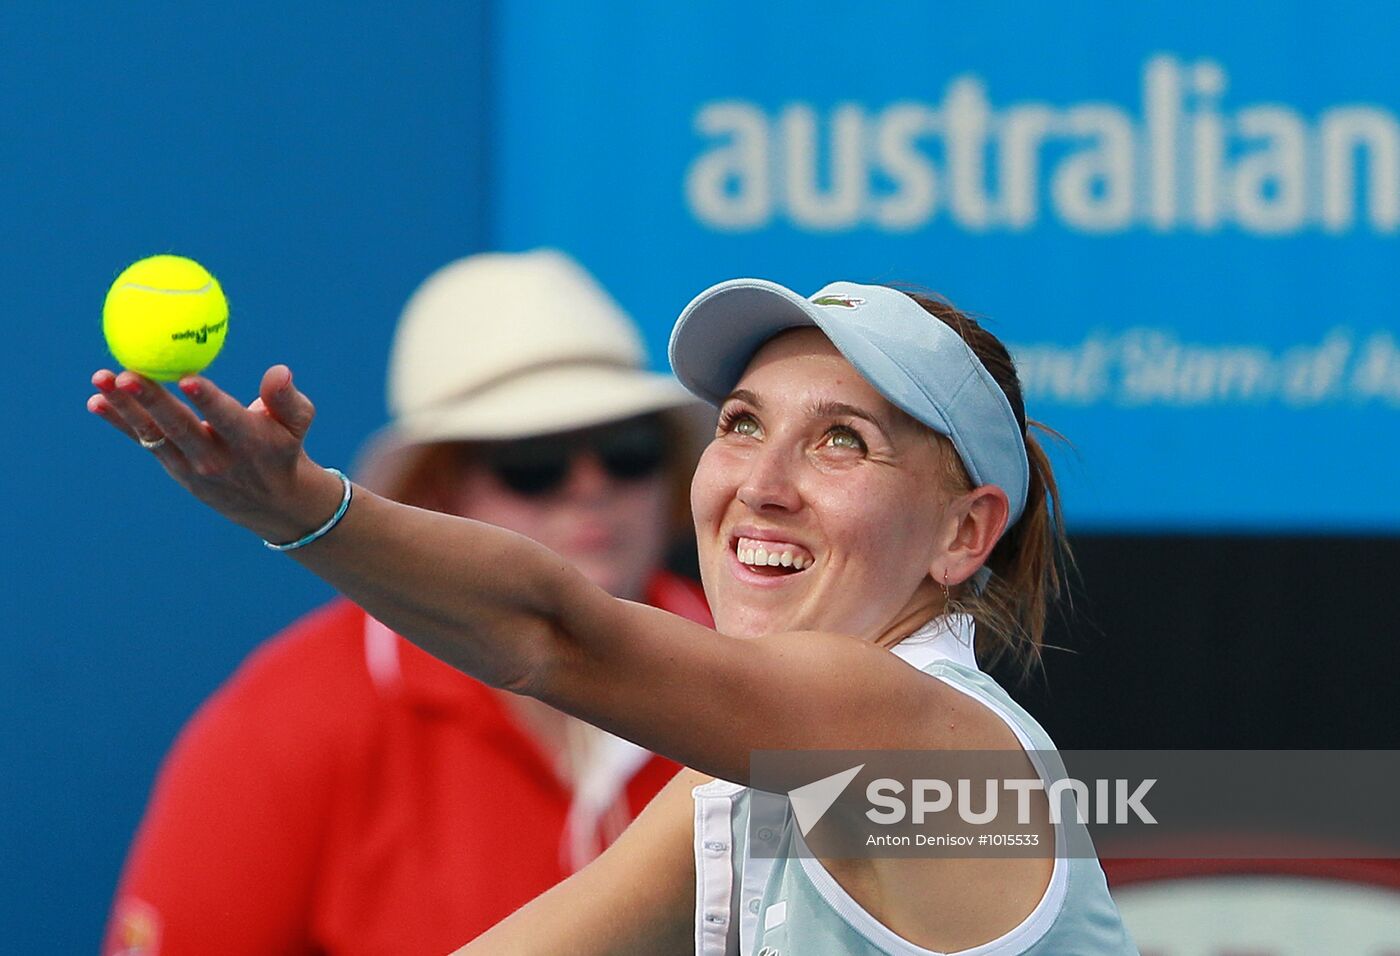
(165, 317)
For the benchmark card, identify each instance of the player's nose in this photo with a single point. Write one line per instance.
(769, 483)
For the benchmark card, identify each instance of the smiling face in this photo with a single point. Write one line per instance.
(819, 505)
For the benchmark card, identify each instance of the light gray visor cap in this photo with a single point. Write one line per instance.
(910, 357)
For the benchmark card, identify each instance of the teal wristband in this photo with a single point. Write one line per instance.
(325, 528)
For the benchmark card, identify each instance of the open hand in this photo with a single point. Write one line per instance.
(249, 464)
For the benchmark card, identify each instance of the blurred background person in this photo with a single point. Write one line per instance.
(345, 792)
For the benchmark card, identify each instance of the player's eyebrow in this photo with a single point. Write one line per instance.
(743, 395)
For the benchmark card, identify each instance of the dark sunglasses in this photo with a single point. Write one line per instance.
(533, 467)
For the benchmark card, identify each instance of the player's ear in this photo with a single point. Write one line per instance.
(975, 523)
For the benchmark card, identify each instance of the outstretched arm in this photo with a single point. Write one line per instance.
(480, 597)
(516, 615)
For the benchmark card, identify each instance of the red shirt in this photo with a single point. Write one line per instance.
(347, 793)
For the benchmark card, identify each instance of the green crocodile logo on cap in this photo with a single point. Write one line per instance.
(844, 301)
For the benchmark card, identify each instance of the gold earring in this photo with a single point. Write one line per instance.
(947, 597)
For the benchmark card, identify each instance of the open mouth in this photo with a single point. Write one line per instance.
(772, 558)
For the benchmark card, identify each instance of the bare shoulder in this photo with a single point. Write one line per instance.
(921, 710)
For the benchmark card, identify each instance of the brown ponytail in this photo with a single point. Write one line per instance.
(1030, 562)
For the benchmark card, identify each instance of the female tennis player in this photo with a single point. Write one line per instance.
(871, 470)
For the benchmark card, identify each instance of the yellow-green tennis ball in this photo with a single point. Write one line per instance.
(165, 317)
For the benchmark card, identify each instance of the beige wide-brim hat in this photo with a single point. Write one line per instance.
(509, 345)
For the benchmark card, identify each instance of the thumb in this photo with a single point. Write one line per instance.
(284, 402)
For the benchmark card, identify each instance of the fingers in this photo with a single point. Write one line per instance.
(170, 417)
(120, 408)
(146, 412)
(103, 406)
(226, 416)
(103, 409)
(284, 402)
(279, 402)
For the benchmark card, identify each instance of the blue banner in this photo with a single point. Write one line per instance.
(1184, 221)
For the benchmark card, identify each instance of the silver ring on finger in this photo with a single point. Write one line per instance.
(151, 445)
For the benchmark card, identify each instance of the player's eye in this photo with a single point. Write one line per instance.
(843, 436)
(738, 422)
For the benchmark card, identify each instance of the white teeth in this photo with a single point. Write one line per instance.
(757, 554)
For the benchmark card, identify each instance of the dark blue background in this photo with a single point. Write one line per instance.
(321, 159)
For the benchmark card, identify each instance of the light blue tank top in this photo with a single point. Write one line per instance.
(790, 905)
